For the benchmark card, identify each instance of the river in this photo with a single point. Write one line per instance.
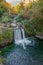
(16, 55)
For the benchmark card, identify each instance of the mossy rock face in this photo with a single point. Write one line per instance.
(6, 37)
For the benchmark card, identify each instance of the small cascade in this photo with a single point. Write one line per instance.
(19, 37)
(23, 33)
(17, 34)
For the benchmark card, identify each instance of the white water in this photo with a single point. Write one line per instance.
(19, 37)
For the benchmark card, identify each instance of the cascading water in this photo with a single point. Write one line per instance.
(17, 34)
(19, 37)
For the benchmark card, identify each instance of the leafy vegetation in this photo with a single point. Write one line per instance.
(4, 11)
(35, 15)
(6, 37)
(3, 7)
(32, 17)
(6, 19)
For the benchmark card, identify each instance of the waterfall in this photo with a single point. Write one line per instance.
(19, 37)
(23, 33)
(17, 34)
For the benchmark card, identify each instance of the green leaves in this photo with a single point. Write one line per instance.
(6, 36)
(3, 7)
(6, 19)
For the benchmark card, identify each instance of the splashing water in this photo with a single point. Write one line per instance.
(19, 37)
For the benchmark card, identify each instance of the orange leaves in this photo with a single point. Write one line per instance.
(8, 5)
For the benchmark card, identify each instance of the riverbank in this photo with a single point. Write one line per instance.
(6, 36)
(38, 35)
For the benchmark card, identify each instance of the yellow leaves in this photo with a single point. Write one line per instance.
(20, 6)
(17, 8)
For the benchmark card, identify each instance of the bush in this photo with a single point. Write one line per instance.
(6, 19)
(6, 37)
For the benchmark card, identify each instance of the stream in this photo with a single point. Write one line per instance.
(17, 55)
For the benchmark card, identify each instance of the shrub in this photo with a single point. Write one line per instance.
(6, 37)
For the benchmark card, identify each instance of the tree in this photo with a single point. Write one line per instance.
(3, 7)
(35, 15)
(17, 8)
